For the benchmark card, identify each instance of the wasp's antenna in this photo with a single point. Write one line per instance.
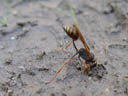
(72, 13)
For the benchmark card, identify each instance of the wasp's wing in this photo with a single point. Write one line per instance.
(82, 39)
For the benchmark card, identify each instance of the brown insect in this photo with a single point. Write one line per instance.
(86, 57)
(75, 34)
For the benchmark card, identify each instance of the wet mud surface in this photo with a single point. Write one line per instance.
(31, 31)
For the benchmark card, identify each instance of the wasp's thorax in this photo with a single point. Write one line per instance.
(71, 31)
(84, 55)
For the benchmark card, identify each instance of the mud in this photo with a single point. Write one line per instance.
(31, 31)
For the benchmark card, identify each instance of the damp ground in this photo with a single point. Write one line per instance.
(31, 31)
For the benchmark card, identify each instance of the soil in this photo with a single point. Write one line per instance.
(31, 31)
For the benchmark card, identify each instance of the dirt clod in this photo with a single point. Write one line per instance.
(97, 72)
(8, 61)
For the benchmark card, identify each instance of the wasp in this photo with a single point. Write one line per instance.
(74, 33)
(86, 57)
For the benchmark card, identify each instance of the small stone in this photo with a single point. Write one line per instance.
(8, 61)
(14, 12)
(3, 32)
(63, 94)
(18, 76)
(21, 24)
(105, 63)
(32, 23)
(13, 38)
(52, 94)
(2, 47)
(41, 55)
(10, 92)
(125, 39)
(30, 72)
(43, 69)
(107, 90)
(25, 30)
(10, 51)
(39, 91)
(22, 68)
(90, 78)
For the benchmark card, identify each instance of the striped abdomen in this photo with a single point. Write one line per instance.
(71, 32)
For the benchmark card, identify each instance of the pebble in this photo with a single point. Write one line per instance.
(10, 92)
(13, 38)
(25, 29)
(22, 68)
(2, 47)
(41, 55)
(14, 12)
(107, 90)
(90, 78)
(8, 61)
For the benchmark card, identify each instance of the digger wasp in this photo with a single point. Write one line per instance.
(86, 57)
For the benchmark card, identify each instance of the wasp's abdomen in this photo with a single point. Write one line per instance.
(71, 32)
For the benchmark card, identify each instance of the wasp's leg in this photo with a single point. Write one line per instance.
(67, 45)
(85, 67)
(82, 61)
(60, 69)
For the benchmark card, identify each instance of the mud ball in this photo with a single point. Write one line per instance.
(97, 72)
